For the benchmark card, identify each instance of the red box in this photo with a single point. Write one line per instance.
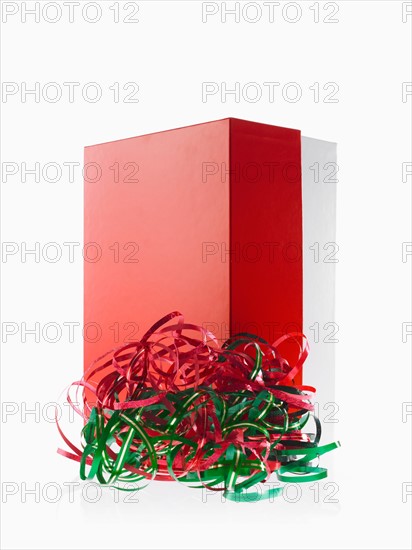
(206, 220)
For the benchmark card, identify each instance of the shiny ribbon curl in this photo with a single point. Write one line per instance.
(177, 406)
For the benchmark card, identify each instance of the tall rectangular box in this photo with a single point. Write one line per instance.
(207, 220)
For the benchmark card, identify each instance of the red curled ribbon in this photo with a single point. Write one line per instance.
(177, 406)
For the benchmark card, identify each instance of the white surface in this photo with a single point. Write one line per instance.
(170, 52)
(320, 256)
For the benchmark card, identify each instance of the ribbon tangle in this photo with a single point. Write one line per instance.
(177, 406)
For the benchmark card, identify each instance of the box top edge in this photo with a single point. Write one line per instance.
(323, 140)
(189, 126)
(158, 132)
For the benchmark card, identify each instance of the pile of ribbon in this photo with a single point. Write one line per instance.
(176, 405)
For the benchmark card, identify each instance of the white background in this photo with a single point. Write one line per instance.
(169, 53)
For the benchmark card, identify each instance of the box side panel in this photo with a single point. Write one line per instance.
(154, 209)
(266, 230)
(319, 164)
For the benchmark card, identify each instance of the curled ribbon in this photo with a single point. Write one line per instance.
(177, 406)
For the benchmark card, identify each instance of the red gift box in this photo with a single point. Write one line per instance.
(206, 220)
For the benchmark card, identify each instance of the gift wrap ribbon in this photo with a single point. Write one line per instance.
(177, 406)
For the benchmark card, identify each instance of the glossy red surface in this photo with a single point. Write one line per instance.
(190, 218)
(266, 225)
